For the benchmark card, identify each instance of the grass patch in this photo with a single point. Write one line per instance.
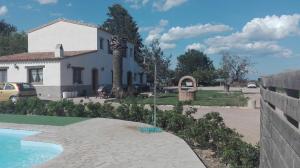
(203, 98)
(39, 120)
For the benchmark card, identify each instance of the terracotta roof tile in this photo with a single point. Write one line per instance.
(42, 56)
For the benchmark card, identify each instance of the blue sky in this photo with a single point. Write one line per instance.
(265, 30)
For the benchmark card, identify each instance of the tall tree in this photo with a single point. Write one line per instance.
(234, 69)
(153, 53)
(197, 64)
(11, 41)
(121, 23)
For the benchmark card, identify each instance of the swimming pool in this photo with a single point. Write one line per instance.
(16, 153)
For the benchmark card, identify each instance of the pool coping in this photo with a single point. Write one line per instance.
(107, 143)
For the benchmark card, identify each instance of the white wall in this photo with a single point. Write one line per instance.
(51, 72)
(74, 37)
(88, 62)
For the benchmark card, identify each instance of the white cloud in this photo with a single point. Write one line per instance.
(160, 5)
(272, 27)
(166, 46)
(166, 5)
(3, 10)
(258, 48)
(45, 2)
(177, 33)
(169, 38)
(136, 4)
(260, 36)
(196, 46)
(155, 32)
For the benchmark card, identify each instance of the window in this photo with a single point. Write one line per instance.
(109, 47)
(101, 43)
(77, 75)
(35, 75)
(9, 87)
(25, 87)
(3, 75)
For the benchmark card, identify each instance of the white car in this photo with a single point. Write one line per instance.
(251, 85)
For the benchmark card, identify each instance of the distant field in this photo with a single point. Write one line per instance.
(203, 98)
(39, 120)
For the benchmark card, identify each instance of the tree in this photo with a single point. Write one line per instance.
(197, 64)
(11, 41)
(152, 53)
(205, 77)
(121, 23)
(6, 29)
(233, 69)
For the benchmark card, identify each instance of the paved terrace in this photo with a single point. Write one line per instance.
(105, 143)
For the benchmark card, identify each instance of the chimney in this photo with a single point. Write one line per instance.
(59, 51)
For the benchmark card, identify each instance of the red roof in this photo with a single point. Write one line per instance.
(42, 56)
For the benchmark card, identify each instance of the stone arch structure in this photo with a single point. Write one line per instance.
(190, 93)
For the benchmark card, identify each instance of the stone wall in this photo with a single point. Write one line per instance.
(280, 116)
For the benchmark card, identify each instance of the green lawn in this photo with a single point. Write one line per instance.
(39, 120)
(203, 98)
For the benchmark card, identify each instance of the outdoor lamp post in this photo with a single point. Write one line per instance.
(154, 129)
(154, 88)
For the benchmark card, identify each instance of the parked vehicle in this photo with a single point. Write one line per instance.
(104, 92)
(14, 91)
(251, 85)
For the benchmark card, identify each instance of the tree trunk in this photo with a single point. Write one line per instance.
(226, 88)
(119, 47)
(117, 88)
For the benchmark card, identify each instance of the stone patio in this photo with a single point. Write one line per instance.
(106, 143)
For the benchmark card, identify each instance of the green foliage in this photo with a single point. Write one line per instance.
(234, 68)
(121, 23)
(195, 63)
(154, 54)
(205, 77)
(11, 41)
(211, 132)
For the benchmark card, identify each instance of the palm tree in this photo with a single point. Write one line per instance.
(118, 46)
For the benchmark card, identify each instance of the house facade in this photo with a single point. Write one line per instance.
(68, 56)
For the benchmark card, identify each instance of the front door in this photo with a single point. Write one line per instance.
(129, 78)
(95, 79)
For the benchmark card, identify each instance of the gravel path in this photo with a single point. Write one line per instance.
(106, 143)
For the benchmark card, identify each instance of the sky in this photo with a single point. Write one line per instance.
(267, 31)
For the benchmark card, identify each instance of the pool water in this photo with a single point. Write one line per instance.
(16, 153)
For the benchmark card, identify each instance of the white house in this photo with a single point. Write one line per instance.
(66, 56)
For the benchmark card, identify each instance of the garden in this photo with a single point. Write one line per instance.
(208, 132)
